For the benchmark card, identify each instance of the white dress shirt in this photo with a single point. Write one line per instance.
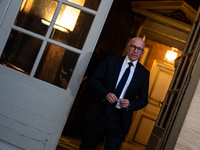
(125, 65)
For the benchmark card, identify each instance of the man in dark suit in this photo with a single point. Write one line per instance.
(111, 113)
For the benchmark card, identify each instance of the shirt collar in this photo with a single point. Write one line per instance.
(127, 60)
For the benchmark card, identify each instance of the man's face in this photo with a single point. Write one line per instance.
(135, 49)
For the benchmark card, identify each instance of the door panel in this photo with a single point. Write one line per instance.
(26, 110)
(161, 75)
(33, 108)
(144, 130)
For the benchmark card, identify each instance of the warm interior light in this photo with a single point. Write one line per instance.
(63, 29)
(26, 5)
(171, 55)
(67, 17)
(23, 4)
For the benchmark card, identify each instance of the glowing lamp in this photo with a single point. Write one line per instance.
(171, 55)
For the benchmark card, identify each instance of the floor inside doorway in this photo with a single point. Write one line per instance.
(73, 143)
(68, 143)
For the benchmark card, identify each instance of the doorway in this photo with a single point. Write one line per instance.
(154, 30)
(160, 70)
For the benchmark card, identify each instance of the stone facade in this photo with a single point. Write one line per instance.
(190, 133)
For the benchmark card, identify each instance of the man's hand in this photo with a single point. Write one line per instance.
(124, 103)
(111, 97)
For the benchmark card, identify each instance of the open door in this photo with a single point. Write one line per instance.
(43, 42)
(143, 121)
(164, 134)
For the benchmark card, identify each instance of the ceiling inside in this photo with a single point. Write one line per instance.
(166, 22)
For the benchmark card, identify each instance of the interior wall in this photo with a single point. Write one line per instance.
(157, 51)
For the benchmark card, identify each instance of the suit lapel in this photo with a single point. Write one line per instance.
(116, 70)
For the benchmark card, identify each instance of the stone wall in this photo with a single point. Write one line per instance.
(190, 133)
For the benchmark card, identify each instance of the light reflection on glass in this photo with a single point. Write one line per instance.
(31, 13)
(80, 27)
(69, 15)
(59, 27)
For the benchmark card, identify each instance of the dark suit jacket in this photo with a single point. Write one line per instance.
(104, 80)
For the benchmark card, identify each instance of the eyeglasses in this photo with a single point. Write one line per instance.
(135, 47)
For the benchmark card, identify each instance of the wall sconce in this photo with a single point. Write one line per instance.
(171, 55)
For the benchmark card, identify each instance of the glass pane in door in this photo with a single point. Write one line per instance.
(72, 26)
(57, 65)
(92, 4)
(32, 12)
(20, 51)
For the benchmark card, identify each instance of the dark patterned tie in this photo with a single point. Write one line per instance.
(110, 107)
